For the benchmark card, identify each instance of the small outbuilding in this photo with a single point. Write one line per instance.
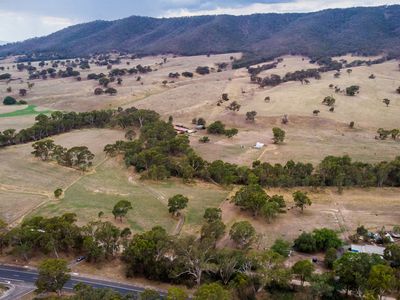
(369, 249)
(259, 145)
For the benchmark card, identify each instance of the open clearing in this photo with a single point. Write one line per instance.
(29, 183)
(113, 182)
(373, 208)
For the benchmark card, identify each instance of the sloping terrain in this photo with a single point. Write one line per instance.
(330, 32)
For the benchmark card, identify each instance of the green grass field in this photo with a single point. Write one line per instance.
(29, 110)
(111, 182)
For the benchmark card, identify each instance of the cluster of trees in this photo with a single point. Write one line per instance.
(254, 71)
(58, 122)
(253, 198)
(78, 157)
(5, 76)
(219, 128)
(274, 80)
(383, 134)
(224, 273)
(8, 100)
(203, 70)
(319, 240)
(160, 153)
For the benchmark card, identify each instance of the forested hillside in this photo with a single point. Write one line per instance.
(330, 32)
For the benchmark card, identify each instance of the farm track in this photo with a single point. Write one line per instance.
(49, 195)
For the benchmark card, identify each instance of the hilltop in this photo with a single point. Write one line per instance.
(366, 31)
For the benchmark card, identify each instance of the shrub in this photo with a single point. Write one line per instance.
(8, 100)
(216, 128)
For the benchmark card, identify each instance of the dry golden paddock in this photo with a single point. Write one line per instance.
(27, 184)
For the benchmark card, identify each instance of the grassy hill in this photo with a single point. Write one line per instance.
(330, 32)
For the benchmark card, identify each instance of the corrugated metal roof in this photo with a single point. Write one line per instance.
(370, 249)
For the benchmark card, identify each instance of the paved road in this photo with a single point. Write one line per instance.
(23, 277)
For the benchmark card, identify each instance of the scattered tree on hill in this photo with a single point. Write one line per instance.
(351, 124)
(8, 100)
(58, 192)
(386, 101)
(301, 200)
(53, 275)
(242, 233)
(398, 90)
(98, 91)
(352, 90)
(316, 112)
(234, 106)
(225, 97)
(203, 70)
(22, 92)
(111, 91)
(251, 115)
(279, 135)
(9, 89)
(329, 101)
(177, 203)
(349, 71)
(5, 76)
(121, 209)
(395, 133)
(187, 74)
(372, 76)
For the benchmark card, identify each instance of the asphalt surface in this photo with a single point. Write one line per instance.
(24, 279)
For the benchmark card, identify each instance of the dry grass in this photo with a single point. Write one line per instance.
(372, 208)
(28, 179)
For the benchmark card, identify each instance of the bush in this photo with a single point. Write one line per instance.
(231, 132)
(5, 76)
(305, 243)
(352, 90)
(216, 128)
(58, 192)
(330, 257)
(110, 91)
(326, 238)
(187, 74)
(203, 70)
(204, 139)
(98, 91)
(8, 100)
(282, 247)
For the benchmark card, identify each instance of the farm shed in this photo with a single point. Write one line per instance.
(370, 249)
